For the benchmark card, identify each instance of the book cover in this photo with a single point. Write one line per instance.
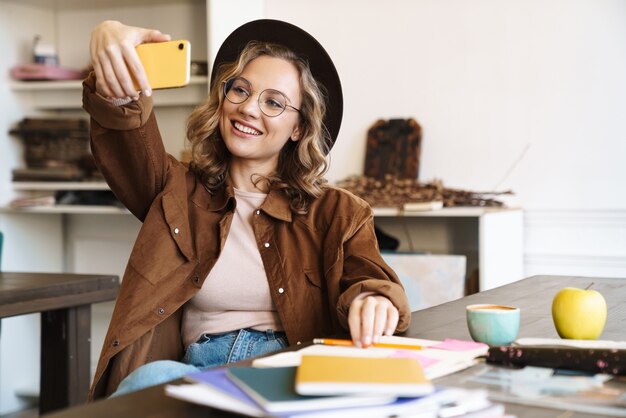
(218, 379)
(203, 394)
(397, 376)
(273, 389)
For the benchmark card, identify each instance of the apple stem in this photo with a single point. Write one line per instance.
(587, 288)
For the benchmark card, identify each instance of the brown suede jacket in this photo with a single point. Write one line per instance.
(316, 263)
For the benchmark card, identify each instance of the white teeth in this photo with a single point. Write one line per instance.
(246, 129)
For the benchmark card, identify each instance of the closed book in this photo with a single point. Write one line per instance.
(590, 360)
(273, 390)
(325, 375)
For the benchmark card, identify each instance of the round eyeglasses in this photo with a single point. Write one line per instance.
(271, 102)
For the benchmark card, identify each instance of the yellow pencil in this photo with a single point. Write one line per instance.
(348, 343)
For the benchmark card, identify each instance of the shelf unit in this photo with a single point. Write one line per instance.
(60, 95)
(450, 212)
(60, 185)
(54, 186)
(69, 210)
(490, 238)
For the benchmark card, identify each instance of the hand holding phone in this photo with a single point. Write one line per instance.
(166, 64)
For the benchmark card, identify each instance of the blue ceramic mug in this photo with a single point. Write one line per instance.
(493, 324)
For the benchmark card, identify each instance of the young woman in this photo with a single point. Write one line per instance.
(246, 249)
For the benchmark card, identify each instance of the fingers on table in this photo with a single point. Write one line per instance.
(370, 318)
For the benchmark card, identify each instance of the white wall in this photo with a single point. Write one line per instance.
(533, 89)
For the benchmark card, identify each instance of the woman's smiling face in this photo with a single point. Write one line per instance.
(252, 136)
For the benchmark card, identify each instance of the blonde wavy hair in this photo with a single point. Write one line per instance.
(301, 165)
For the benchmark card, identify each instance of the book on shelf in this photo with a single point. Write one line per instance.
(51, 127)
(328, 375)
(33, 201)
(422, 206)
(67, 173)
(68, 198)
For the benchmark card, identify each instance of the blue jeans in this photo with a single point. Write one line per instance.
(209, 351)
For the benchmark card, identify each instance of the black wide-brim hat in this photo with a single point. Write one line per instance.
(305, 46)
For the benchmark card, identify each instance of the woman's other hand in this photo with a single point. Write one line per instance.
(370, 317)
(114, 59)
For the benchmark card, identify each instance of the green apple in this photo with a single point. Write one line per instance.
(579, 314)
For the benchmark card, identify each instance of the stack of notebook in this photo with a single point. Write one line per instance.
(326, 386)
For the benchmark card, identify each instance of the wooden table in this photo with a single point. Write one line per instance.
(533, 295)
(64, 301)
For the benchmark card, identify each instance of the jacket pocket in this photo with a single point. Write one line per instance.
(164, 241)
(314, 277)
(314, 296)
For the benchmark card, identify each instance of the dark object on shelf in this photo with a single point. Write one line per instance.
(48, 174)
(385, 241)
(54, 149)
(471, 283)
(394, 192)
(53, 142)
(199, 68)
(51, 127)
(393, 148)
(88, 198)
(88, 165)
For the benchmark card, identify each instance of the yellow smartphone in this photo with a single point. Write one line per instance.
(167, 64)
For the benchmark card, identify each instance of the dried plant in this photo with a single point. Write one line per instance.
(396, 192)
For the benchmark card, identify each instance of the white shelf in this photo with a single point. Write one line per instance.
(69, 209)
(77, 84)
(60, 185)
(459, 211)
(490, 238)
(90, 5)
(68, 94)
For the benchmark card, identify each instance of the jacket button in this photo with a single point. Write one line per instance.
(257, 211)
(196, 279)
(116, 343)
(161, 311)
(176, 231)
(281, 290)
(298, 343)
(266, 245)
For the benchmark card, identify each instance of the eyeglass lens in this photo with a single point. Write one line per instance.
(271, 102)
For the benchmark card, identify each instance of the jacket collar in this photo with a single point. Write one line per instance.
(276, 204)
(201, 197)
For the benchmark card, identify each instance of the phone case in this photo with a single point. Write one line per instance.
(167, 64)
